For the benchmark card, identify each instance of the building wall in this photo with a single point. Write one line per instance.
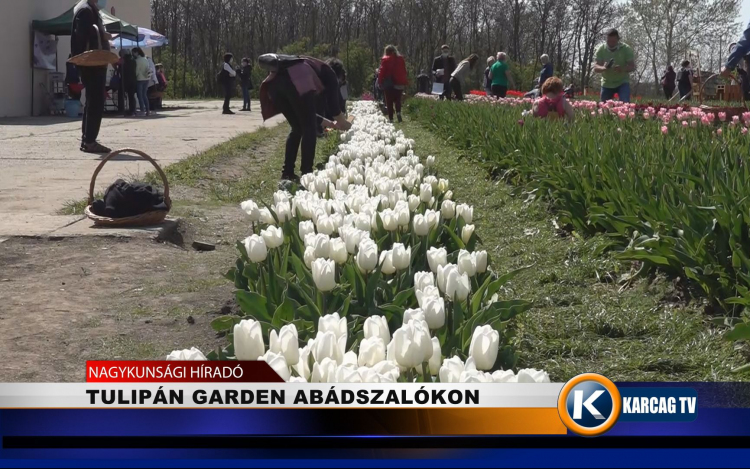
(15, 35)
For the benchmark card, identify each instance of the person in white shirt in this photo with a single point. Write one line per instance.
(226, 77)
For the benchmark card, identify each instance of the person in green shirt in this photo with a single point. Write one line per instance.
(615, 61)
(500, 76)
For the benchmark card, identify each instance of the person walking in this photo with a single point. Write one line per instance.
(487, 80)
(292, 88)
(615, 61)
(685, 81)
(246, 80)
(442, 68)
(461, 73)
(547, 70)
(501, 76)
(668, 82)
(88, 33)
(143, 79)
(226, 78)
(130, 82)
(392, 79)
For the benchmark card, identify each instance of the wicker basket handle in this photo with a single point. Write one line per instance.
(163, 176)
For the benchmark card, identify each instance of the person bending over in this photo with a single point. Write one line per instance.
(553, 104)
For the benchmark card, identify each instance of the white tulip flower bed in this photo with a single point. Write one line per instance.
(372, 268)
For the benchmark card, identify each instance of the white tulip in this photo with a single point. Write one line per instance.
(480, 260)
(248, 340)
(437, 257)
(430, 162)
(403, 214)
(435, 358)
(507, 376)
(306, 228)
(309, 256)
(363, 222)
(278, 363)
(326, 225)
(457, 286)
(367, 256)
(286, 343)
(377, 326)
(466, 233)
(466, 263)
(320, 242)
(333, 323)
(283, 211)
(475, 376)
(389, 219)
(434, 312)
(338, 251)
(388, 371)
(192, 354)
(485, 343)
(386, 263)
(432, 217)
(371, 351)
(421, 227)
(448, 209)
(443, 185)
(413, 202)
(252, 210)
(427, 293)
(256, 248)
(423, 280)
(324, 274)
(412, 345)
(297, 379)
(413, 315)
(401, 256)
(530, 375)
(326, 345)
(448, 195)
(442, 275)
(451, 370)
(425, 192)
(303, 365)
(466, 212)
(281, 196)
(324, 371)
(273, 236)
(347, 374)
(350, 359)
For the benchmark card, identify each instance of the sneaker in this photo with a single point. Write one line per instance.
(95, 147)
(399, 118)
(228, 112)
(290, 177)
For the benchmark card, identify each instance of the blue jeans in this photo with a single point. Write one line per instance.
(246, 96)
(142, 90)
(623, 91)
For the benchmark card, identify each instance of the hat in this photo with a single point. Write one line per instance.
(445, 46)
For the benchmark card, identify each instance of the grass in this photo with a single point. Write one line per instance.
(580, 322)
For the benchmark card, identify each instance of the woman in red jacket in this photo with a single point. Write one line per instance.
(392, 80)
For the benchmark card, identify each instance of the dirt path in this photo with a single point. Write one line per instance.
(88, 298)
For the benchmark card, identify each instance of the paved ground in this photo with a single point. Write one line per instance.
(41, 166)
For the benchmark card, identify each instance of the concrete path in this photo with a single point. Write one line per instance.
(41, 167)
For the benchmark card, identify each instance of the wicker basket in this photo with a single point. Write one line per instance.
(95, 58)
(153, 217)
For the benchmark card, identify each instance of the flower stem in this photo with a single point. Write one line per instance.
(426, 371)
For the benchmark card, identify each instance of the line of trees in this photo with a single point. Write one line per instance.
(661, 32)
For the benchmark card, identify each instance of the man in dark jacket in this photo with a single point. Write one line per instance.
(89, 34)
(423, 83)
(443, 67)
(245, 73)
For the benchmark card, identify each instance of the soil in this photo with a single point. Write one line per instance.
(63, 302)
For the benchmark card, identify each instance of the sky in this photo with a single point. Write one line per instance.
(745, 13)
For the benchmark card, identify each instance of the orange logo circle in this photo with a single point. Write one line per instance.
(589, 404)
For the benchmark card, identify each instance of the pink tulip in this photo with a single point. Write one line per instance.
(684, 123)
(664, 130)
(719, 132)
(744, 131)
(723, 116)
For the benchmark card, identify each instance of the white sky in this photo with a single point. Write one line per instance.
(745, 13)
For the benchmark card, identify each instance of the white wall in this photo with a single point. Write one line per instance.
(15, 35)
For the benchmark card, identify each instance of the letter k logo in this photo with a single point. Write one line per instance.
(579, 404)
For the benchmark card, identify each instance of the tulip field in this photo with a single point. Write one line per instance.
(668, 186)
(370, 272)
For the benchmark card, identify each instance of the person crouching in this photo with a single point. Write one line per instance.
(553, 104)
